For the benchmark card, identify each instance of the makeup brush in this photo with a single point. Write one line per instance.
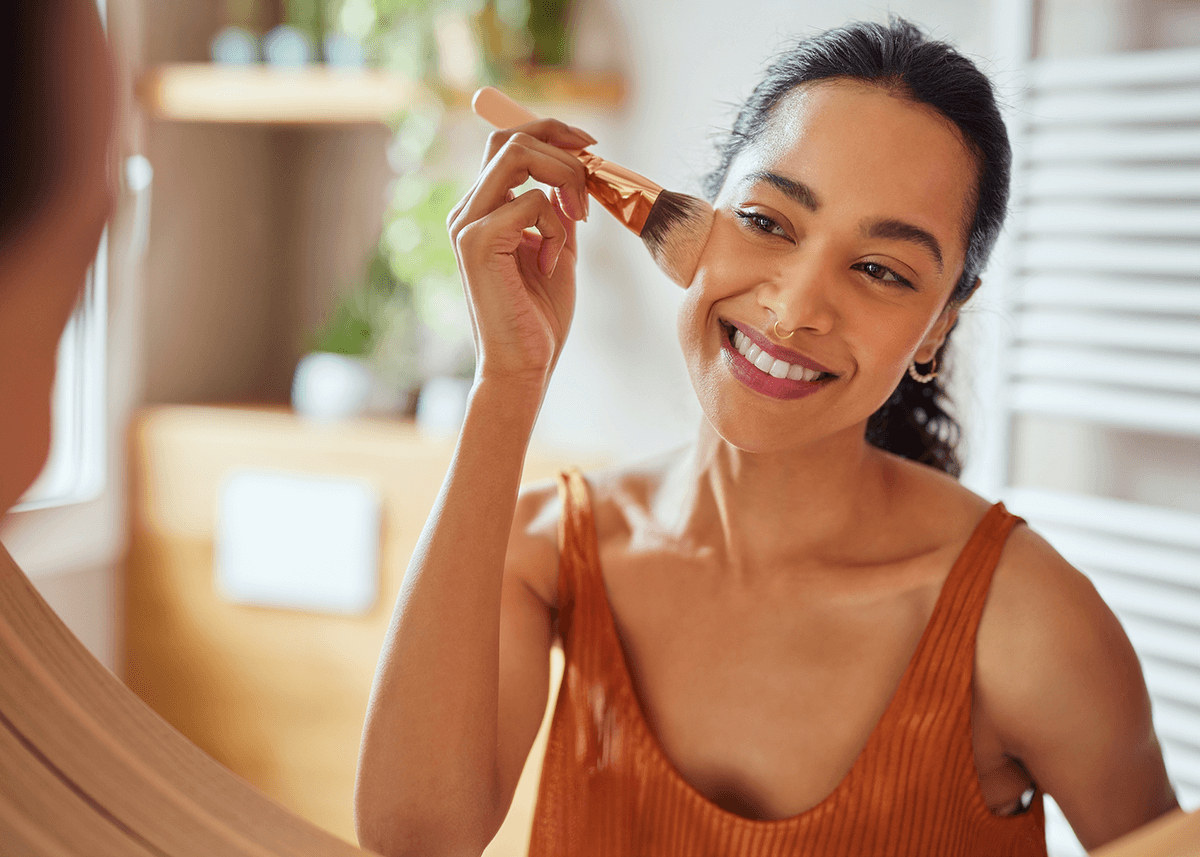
(673, 226)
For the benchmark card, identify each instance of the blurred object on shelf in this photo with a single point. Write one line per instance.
(329, 387)
(364, 358)
(442, 405)
(237, 43)
(344, 51)
(287, 47)
(234, 46)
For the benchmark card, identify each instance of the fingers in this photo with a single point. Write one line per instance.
(520, 158)
(509, 230)
(556, 133)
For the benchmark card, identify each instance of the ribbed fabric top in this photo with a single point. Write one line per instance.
(608, 788)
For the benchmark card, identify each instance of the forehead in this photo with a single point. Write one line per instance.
(859, 145)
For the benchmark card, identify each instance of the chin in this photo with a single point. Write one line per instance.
(746, 428)
(760, 425)
(757, 441)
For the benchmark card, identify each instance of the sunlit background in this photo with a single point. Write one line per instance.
(286, 336)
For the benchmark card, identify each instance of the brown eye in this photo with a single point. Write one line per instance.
(880, 272)
(761, 223)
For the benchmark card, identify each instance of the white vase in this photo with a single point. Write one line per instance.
(329, 387)
(441, 406)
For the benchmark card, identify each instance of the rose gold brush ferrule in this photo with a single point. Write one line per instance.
(627, 195)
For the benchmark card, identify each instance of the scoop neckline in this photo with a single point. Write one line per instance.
(643, 725)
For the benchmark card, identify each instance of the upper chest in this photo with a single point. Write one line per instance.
(763, 691)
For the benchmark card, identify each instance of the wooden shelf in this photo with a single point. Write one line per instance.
(317, 94)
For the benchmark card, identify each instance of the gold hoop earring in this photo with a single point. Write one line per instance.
(779, 335)
(918, 377)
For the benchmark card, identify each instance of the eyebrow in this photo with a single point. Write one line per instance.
(798, 191)
(901, 231)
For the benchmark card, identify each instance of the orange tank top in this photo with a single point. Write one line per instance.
(608, 789)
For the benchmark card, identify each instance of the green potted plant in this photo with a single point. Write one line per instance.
(363, 358)
(408, 322)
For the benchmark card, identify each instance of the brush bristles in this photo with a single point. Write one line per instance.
(675, 233)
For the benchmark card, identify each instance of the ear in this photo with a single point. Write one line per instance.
(932, 343)
(933, 340)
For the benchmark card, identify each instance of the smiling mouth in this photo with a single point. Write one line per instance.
(766, 363)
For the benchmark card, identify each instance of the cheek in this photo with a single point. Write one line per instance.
(723, 271)
(884, 345)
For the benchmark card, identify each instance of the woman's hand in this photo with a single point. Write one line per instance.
(516, 254)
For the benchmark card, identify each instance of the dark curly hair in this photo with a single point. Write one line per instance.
(898, 57)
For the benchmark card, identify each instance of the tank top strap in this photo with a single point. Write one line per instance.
(970, 578)
(578, 554)
(946, 653)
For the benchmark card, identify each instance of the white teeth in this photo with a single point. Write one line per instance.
(768, 364)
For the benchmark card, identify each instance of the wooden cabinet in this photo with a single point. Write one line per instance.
(278, 696)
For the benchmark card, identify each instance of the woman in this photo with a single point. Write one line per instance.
(800, 635)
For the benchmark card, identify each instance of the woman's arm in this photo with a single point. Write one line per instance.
(462, 680)
(1061, 683)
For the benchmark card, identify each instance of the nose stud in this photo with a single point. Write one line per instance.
(779, 335)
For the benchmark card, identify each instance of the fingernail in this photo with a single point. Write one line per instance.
(584, 134)
(571, 209)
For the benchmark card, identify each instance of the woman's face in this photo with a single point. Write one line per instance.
(845, 222)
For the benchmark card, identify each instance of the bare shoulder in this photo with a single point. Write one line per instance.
(1061, 688)
(1045, 614)
(618, 495)
(532, 555)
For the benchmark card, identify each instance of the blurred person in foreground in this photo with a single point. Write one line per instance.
(55, 196)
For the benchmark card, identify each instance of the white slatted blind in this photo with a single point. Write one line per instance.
(1102, 276)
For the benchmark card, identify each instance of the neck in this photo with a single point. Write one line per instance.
(756, 509)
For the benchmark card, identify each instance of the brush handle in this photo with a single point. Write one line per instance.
(494, 106)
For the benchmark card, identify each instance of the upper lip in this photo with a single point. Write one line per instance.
(787, 355)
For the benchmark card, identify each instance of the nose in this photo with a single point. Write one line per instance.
(800, 298)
